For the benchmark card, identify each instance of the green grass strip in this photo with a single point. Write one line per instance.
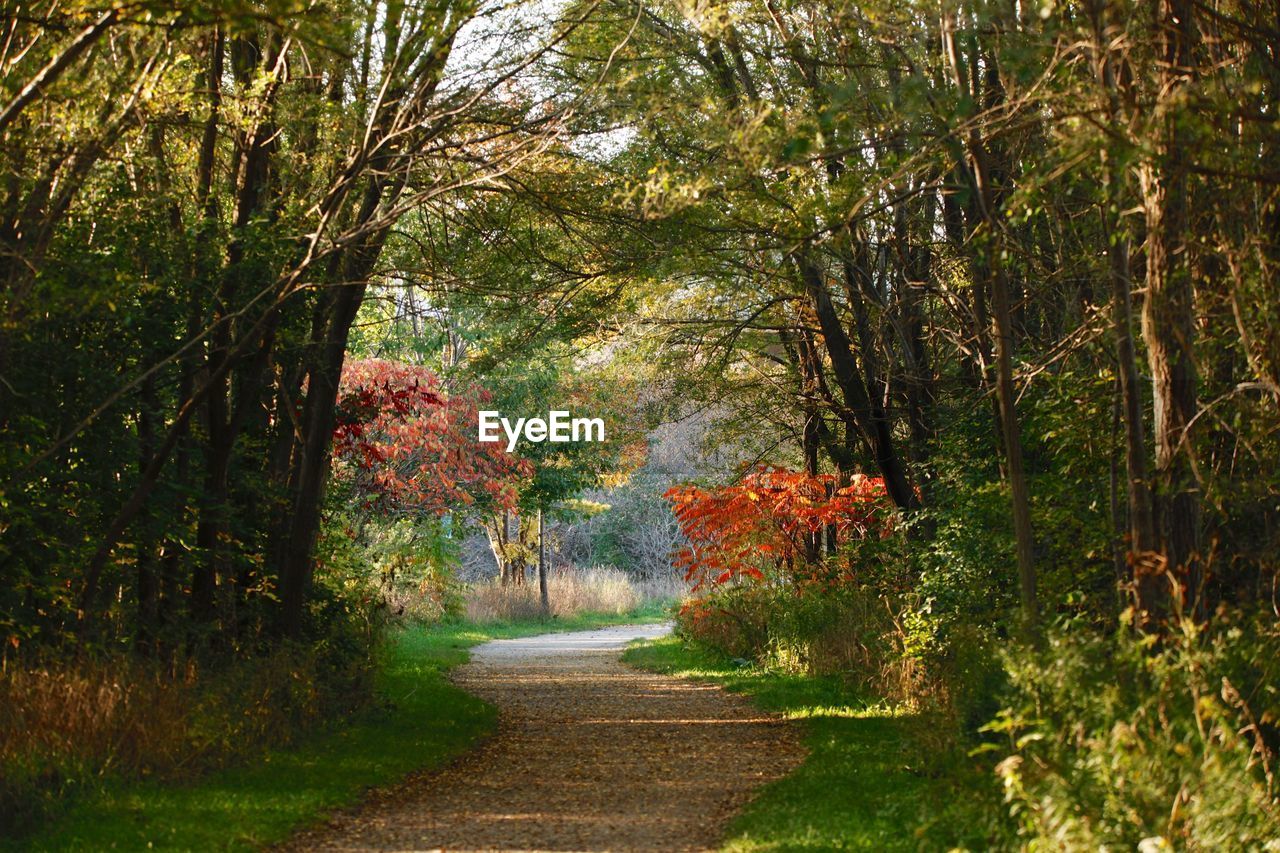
(863, 785)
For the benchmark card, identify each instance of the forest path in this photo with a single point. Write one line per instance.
(589, 755)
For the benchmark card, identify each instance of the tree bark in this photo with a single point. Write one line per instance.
(1168, 311)
(1023, 534)
(870, 416)
(1114, 79)
(319, 415)
(1010, 431)
(1138, 494)
(990, 271)
(147, 591)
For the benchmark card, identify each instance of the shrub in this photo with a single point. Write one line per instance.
(847, 630)
(732, 620)
(69, 726)
(1127, 741)
(413, 562)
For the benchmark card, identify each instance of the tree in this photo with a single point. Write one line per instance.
(761, 524)
(210, 207)
(406, 446)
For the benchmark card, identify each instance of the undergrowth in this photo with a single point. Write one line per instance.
(571, 592)
(417, 720)
(1095, 737)
(1128, 741)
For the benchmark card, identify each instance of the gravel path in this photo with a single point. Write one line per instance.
(589, 755)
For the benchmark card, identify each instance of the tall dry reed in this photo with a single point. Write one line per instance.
(67, 725)
(571, 592)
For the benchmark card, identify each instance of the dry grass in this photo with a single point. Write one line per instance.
(62, 726)
(571, 592)
(663, 586)
(67, 725)
(851, 634)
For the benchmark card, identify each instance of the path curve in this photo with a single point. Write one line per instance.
(589, 755)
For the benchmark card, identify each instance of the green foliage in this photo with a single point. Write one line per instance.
(719, 174)
(174, 199)
(421, 556)
(410, 562)
(1127, 740)
(847, 631)
(963, 542)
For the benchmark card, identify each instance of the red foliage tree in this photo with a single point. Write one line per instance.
(740, 530)
(406, 444)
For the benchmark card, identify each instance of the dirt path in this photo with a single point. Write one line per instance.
(589, 755)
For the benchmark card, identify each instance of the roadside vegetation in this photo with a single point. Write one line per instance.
(870, 780)
(596, 590)
(1082, 737)
(412, 721)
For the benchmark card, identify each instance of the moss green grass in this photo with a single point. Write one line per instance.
(420, 721)
(867, 784)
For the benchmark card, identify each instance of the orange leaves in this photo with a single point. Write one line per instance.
(763, 522)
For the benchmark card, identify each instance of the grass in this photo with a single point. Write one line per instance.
(601, 589)
(421, 721)
(867, 783)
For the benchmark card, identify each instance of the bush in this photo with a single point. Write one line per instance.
(1123, 741)
(402, 565)
(847, 631)
(68, 726)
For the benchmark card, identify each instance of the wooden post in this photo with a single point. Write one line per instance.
(542, 569)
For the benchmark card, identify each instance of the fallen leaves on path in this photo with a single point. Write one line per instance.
(589, 755)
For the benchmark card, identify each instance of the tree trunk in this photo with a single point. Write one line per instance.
(1168, 311)
(1010, 432)
(496, 531)
(350, 271)
(147, 591)
(1141, 524)
(870, 416)
(990, 271)
(1114, 79)
(313, 462)
(1012, 435)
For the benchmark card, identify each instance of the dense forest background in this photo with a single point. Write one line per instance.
(962, 318)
